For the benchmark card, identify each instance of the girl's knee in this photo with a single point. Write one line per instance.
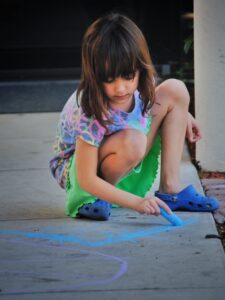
(133, 146)
(128, 148)
(176, 90)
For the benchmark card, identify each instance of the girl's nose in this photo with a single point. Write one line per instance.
(120, 86)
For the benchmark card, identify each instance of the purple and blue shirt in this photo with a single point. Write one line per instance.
(73, 123)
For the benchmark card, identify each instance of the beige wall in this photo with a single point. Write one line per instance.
(209, 47)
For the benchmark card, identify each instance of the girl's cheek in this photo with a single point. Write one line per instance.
(108, 90)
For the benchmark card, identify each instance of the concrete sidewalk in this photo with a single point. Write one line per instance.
(46, 255)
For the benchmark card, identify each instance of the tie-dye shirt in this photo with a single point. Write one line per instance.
(74, 123)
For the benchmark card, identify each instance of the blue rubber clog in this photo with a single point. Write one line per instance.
(189, 199)
(99, 210)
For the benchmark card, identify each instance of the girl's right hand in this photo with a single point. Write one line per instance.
(151, 206)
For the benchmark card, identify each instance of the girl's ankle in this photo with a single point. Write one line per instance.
(169, 188)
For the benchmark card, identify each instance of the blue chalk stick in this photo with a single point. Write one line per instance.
(172, 218)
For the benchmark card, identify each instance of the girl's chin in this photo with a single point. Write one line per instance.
(122, 99)
(122, 103)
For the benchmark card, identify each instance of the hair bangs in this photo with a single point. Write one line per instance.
(116, 59)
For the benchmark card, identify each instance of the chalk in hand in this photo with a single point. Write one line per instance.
(172, 218)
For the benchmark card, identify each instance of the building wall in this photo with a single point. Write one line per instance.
(209, 48)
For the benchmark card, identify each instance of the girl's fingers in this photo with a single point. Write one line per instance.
(154, 207)
(164, 205)
(149, 210)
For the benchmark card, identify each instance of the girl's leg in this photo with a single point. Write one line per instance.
(118, 154)
(173, 132)
(121, 152)
(169, 113)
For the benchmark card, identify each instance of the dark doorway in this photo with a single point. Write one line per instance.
(40, 45)
(42, 39)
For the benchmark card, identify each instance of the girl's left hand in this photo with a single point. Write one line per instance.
(193, 133)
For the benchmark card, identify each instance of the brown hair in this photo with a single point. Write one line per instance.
(113, 46)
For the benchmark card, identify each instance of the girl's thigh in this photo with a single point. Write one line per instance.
(159, 110)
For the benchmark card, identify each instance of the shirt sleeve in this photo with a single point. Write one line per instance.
(89, 130)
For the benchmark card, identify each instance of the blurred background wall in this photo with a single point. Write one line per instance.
(210, 82)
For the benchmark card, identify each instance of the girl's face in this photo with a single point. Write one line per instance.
(120, 91)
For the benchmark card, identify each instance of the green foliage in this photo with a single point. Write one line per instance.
(189, 40)
(188, 44)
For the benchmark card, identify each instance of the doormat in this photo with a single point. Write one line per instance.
(35, 96)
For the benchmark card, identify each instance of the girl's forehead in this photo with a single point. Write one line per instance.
(116, 68)
(115, 59)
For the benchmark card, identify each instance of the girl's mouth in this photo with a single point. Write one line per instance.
(122, 97)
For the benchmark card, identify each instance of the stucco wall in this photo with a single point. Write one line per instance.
(209, 48)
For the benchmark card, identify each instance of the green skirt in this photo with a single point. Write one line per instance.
(137, 182)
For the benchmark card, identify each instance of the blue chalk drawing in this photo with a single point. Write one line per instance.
(65, 242)
(80, 280)
(110, 239)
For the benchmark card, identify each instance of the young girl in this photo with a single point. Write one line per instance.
(107, 146)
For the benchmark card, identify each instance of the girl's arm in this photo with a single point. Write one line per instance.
(86, 164)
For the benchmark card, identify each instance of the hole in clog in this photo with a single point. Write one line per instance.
(95, 210)
(190, 203)
(199, 205)
(86, 208)
(209, 205)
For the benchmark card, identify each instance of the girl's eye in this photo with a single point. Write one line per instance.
(126, 77)
(109, 80)
(129, 76)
